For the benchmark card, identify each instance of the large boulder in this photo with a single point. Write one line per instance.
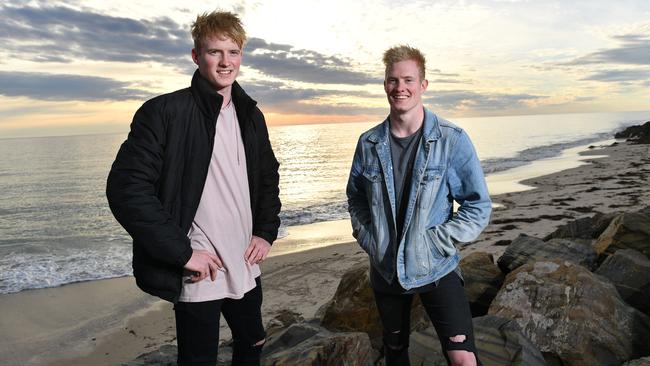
(353, 307)
(629, 270)
(499, 342)
(626, 231)
(308, 344)
(526, 249)
(482, 280)
(425, 348)
(565, 309)
(583, 228)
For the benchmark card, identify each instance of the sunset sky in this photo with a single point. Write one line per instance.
(70, 67)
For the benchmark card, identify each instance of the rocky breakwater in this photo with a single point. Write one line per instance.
(578, 296)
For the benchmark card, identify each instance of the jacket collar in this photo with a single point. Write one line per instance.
(430, 130)
(209, 101)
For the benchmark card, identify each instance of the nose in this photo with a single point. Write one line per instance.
(224, 60)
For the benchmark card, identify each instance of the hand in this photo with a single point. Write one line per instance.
(203, 264)
(257, 250)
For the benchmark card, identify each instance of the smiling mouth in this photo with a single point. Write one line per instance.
(400, 97)
(224, 72)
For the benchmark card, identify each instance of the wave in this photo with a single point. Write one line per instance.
(529, 155)
(22, 271)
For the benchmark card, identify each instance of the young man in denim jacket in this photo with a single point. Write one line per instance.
(405, 176)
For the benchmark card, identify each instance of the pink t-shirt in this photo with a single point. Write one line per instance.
(223, 223)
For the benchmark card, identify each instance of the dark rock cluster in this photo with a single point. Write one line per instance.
(636, 134)
(579, 296)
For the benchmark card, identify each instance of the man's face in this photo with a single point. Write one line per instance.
(218, 59)
(403, 86)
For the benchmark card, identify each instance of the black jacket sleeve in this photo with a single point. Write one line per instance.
(132, 185)
(266, 221)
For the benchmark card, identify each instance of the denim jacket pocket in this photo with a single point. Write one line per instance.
(433, 246)
(429, 185)
(374, 188)
(428, 255)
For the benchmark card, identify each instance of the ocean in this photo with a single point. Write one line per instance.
(56, 227)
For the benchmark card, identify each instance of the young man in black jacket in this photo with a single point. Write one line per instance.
(196, 186)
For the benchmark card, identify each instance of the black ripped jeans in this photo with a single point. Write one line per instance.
(197, 329)
(447, 307)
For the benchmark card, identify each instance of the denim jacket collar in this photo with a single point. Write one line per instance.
(430, 132)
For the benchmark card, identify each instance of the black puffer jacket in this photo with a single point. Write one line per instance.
(155, 184)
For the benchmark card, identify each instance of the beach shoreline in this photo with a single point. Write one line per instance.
(110, 322)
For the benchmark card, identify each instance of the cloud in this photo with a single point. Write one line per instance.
(455, 99)
(285, 62)
(276, 96)
(60, 87)
(633, 50)
(64, 34)
(620, 76)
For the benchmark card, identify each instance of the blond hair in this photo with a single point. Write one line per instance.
(402, 53)
(218, 23)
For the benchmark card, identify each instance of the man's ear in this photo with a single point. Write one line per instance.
(425, 84)
(195, 56)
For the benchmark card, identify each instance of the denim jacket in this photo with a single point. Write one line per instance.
(445, 169)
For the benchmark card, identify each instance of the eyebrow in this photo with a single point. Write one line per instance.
(221, 49)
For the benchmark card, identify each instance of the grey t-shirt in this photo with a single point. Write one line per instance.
(403, 150)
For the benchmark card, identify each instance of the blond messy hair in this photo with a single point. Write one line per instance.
(220, 24)
(402, 53)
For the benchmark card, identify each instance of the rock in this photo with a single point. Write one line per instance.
(482, 281)
(626, 231)
(499, 342)
(527, 248)
(425, 349)
(645, 211)
(629, 270)
(163, 356)
(645, 361)
(638, 134)
(565, 309)
(308, 344)
(353, 307)
(282, 320)
(583, 228)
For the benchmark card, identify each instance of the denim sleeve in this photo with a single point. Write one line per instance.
(468, 188)
(358, 205)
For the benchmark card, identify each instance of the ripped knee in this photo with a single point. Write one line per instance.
(458, 342)
(260, 343)
(396, 341)
(461, 338)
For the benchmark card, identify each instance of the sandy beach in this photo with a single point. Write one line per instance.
(110, 322)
